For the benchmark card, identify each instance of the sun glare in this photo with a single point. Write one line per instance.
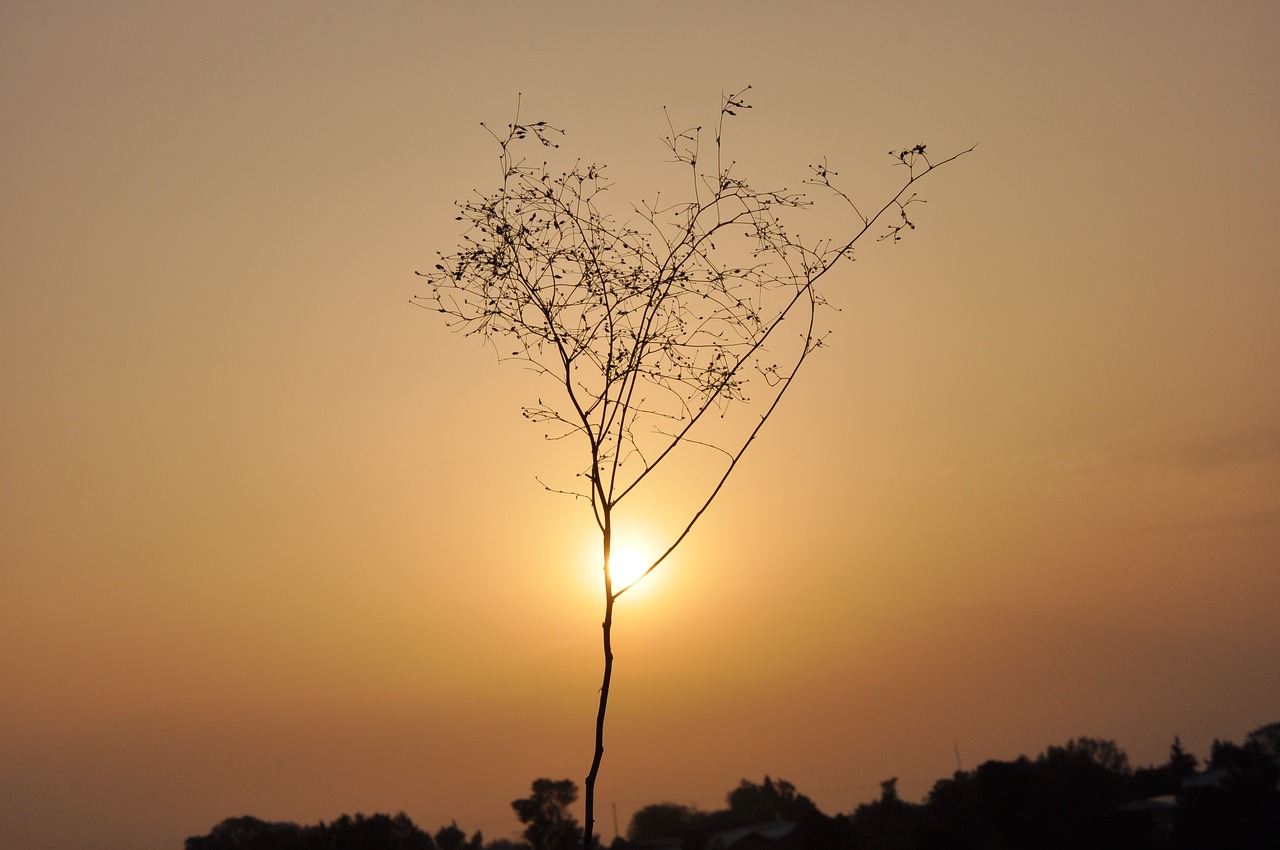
(626, 565)
(630, 556)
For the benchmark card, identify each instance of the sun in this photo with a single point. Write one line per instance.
(630, 554)
(626, 565)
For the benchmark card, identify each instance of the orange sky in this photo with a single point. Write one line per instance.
(271, 538)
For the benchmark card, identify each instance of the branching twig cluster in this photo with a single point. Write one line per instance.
(648, 325)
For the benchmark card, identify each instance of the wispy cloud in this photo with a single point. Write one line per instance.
(1201, 454)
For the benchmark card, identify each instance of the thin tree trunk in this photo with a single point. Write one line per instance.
(607, 627)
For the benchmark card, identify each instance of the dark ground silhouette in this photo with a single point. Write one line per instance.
(1083, 794)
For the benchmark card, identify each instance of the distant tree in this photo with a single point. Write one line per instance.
(649, 329)
(1095, 751)
(1182, 764)
(450, 837)
(1079, 788)
(1226, 755)
(545, 814)
(751, 803)
(953, 813)
(1163, 779)
(1266, 739)
(1238, 809)
(376, 832)
(1066, 798)
(889, 823)
(1009, 807)
(661, 820)
(250, 833)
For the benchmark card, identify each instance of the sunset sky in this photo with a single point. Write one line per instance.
(271, 541)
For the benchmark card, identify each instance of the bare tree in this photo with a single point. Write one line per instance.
(649, 328)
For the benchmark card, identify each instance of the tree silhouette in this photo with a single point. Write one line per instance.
(250, 833)
(374, 832)
(545, 814)
(751, 803)
(646, 327)
(452, 838)
(660, 820)
(1265, 738)
(1182, 764)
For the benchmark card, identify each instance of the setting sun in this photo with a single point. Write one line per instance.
(626, 566)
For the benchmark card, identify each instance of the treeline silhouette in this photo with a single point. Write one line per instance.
(375, 832)
(1083, 794)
